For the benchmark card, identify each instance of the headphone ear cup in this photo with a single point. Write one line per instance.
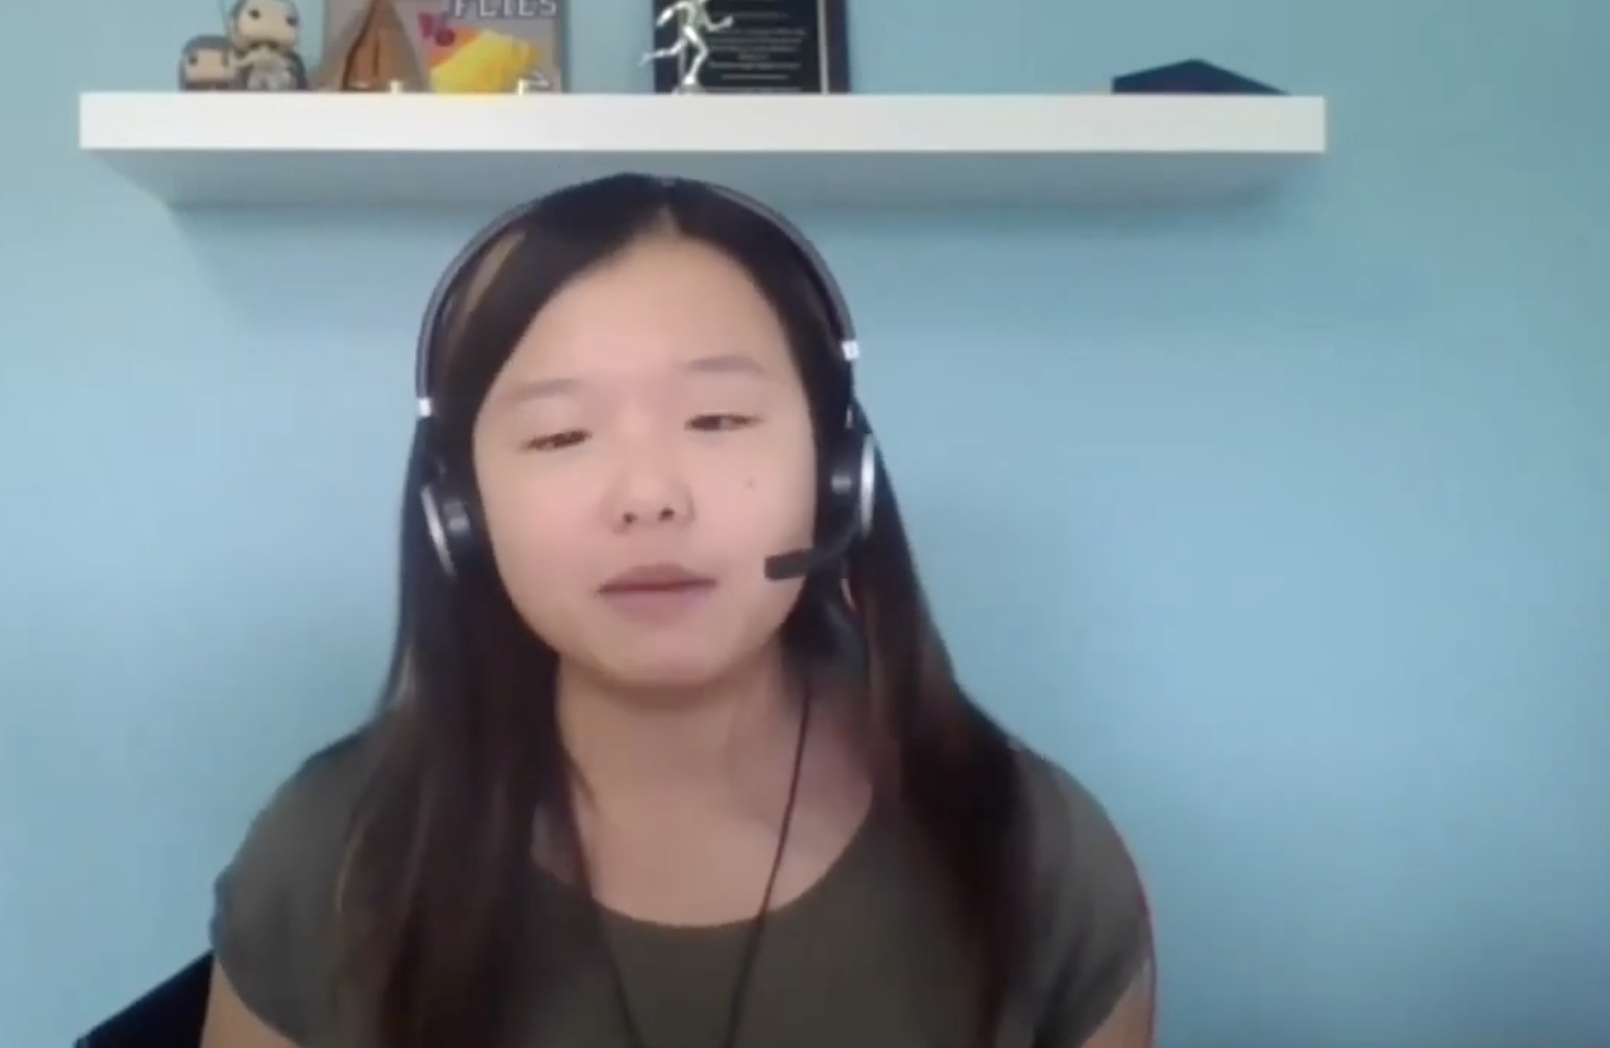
(851, 484)
(866, 489)
(453, 523)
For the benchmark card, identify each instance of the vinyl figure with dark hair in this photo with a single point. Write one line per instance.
(207, 63)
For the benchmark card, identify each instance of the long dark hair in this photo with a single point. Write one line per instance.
(466, 746)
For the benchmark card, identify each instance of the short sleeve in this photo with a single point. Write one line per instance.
(1090, 904)
(274, 903)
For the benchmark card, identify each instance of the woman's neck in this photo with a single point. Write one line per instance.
(721, 740)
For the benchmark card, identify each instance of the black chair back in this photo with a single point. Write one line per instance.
(169, 1016)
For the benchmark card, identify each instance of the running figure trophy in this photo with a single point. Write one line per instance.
(690, 50)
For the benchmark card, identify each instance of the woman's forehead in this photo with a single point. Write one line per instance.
(664, 304)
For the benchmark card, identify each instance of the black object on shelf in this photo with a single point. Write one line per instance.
(168, 1016)
(1194, 77)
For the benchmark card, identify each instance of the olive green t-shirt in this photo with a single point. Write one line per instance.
(864, 959)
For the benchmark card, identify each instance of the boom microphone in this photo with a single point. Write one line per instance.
(802, 562)
(851, 485)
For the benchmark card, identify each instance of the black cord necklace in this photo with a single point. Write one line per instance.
(751, 950)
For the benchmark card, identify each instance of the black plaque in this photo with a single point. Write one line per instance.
(772, 47)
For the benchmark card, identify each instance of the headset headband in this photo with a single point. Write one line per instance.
(442, 297)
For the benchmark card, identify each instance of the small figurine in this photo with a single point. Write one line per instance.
(264, 35)
(693, 24)
(207, 63)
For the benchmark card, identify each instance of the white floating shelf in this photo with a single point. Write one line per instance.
(792, 150)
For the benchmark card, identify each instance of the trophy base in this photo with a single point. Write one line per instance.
(689, 89)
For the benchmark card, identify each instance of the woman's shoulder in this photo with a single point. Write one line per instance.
(275, 901)
(1088, 906)
(307, 815)
(1071, 829)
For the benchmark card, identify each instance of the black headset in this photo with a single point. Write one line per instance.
(451, 505)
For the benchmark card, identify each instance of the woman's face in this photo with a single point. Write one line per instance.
(647, 446)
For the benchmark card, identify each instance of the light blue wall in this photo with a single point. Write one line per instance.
(1288, 528)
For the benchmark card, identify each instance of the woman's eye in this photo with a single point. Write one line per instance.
(556, 441)
(718, 423)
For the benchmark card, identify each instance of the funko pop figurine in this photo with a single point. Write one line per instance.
(264, 35)
(207, 63)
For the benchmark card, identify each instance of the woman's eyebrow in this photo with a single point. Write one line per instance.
(552, 388)
(539, 389)
(727, 364)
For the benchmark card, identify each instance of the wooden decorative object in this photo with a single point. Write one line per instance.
(369, 49)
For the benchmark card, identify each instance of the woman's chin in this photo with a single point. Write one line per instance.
(678, 671)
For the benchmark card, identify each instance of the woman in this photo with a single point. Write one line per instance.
(671, 755)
